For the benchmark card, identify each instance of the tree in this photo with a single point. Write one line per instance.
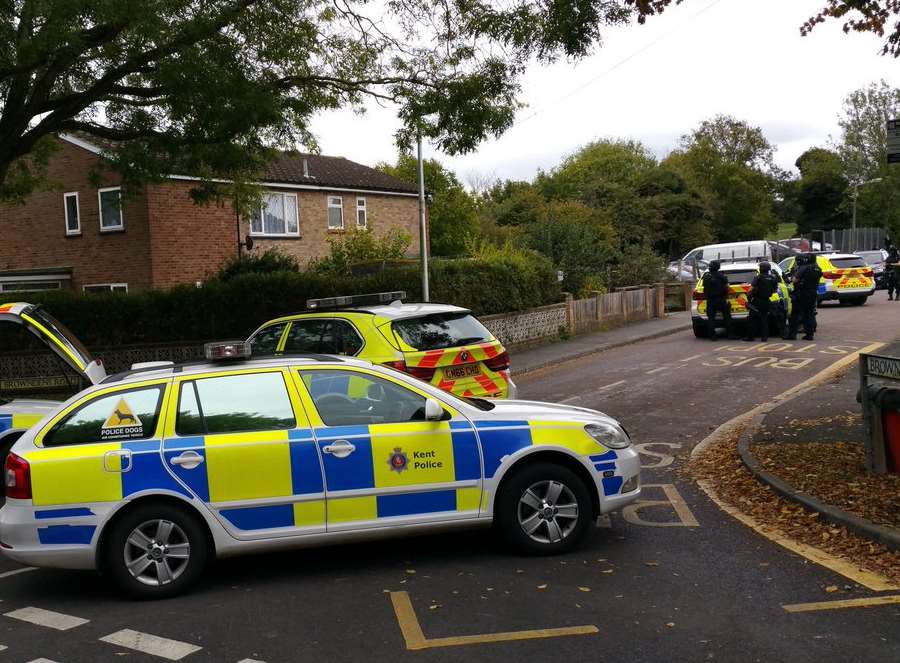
(862, 16)
(729, 164)
(863, 149)
(821, 191)
(679, 217)
(207, 87)
(452, 214)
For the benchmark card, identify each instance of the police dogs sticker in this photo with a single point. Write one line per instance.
(122, 423)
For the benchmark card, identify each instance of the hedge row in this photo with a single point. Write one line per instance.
(234, 308)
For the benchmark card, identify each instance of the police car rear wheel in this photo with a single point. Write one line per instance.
(701, 330)
(156, 550)
(544, 509)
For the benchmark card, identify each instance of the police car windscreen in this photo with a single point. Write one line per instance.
(743, 276)
(441, 330)
(872, 257)
(847, 263)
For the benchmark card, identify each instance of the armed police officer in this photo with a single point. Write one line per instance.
(764, 285)
(806, 293)
(892, 273)
(715, 287)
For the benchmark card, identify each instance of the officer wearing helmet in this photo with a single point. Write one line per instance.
(806, 294)
(764, 285)
(715, 287)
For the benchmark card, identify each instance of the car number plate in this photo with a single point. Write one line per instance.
(464, 371)
(851, 283)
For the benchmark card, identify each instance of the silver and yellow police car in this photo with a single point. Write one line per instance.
(151, 473)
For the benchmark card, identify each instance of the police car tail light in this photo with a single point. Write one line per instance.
(226, 350)
(18, 478)
(698, 296)
(425, 374)
(831, 275)
(869, 272)
(498, 363)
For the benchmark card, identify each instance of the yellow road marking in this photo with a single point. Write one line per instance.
(840, 605)
(416, 640)
(867, 579)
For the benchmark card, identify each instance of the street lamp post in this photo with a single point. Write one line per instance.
(423, 230)
(855, 198)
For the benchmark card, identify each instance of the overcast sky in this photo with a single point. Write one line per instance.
(656, 82)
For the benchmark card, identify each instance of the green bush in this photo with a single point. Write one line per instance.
(271, 260)
(235, 307)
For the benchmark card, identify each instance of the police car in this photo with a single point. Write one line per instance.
(151, 473)
(17, 415)
(443, 345)
(846, 277)
(740, 276)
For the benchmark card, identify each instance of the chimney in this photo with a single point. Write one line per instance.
(305, 168)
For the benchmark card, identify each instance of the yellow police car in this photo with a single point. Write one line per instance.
(846, 277)
(17, 415)
(151, 473)
(443, 345)
(740, 275)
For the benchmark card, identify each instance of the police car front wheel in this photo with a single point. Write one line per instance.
(156, 550)
(544, 509)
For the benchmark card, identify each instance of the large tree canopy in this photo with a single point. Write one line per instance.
(208, 85)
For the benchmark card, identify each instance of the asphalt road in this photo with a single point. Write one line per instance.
(658, 584)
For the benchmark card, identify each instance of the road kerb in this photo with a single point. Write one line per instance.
(751, 421)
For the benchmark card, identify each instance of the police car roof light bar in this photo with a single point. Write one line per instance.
(224, 350)
(370, 299)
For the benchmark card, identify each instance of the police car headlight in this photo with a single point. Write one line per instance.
(609, 435)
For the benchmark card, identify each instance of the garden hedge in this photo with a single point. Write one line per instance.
(235, 307)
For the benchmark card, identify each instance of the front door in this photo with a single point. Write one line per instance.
(241, 443)
(384, 464)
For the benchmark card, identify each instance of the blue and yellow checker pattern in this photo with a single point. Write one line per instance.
(18, 421)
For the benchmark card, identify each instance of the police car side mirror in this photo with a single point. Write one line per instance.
(433, 410)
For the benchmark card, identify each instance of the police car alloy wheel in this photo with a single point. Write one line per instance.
(156, 550)
(544, 509)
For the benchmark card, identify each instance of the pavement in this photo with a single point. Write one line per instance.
(672, 578)
(585, 345)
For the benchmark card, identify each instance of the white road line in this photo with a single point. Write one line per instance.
(16, 572)
(171, 650)
(657, 370)
(42, 660)
(565, 401)
(250, 660)
(47, 618)
(2, 647)
(610, 386)
(691, 358)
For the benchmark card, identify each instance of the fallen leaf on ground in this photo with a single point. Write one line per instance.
(831, 588)
(584, 589)
(542, 586)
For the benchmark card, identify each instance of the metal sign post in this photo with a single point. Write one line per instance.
(880, 368)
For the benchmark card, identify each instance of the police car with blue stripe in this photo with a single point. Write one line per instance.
(149, 474)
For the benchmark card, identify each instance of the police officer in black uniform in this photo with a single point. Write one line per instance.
(892, 273)
(806, 294)
(764, 285)
(715, 287)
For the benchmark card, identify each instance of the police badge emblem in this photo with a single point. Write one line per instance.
(398, 460)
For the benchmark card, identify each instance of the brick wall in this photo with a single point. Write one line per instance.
(383, 212)
(33, 235)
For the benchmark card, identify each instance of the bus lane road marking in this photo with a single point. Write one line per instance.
(770, 355)
(415, 638)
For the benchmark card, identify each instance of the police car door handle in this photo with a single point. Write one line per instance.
(339, 448)
(188, 460)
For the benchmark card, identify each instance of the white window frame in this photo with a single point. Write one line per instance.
(66, 196)
(120, 286)
(339, 206)
(362, 206)
(110, 229)
(261, 211)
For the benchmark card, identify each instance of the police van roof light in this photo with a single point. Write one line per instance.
(370, 299)
(226, 350)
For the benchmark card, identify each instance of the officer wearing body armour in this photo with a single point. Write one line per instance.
(715, 287)
(892, 273)
(806, 293)
(764, 285)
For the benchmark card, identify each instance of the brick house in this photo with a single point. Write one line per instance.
(77, 235)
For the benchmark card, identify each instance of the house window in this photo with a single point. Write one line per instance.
(335, 213)
(361, 212)
(106, 287)
(278, 216)
(73, 218)
(111, 209)
(29, 286)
